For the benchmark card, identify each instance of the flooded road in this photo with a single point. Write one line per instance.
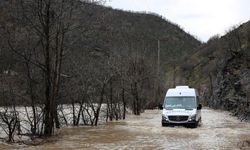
(218, 130)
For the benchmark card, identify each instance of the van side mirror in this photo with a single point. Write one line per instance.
(199, 107)
(160, 106)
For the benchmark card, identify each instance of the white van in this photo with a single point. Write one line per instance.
(181, 107)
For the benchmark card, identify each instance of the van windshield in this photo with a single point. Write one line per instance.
(179, 102)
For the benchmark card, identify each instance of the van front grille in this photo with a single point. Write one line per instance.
(178, 118)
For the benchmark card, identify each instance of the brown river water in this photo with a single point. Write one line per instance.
(218, 131)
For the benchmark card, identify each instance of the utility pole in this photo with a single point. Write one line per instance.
(156, 92)
(158, 58)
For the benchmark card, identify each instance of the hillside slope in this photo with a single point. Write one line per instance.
(221, 69)
(100, 39)
(126, 32)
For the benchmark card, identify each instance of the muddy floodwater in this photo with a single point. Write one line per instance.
(218, 130)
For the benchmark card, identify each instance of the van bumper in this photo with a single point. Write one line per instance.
(171, 123)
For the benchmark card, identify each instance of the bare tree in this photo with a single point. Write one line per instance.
(9, 118)
(138, 74)
(9, 122)
(48, 22)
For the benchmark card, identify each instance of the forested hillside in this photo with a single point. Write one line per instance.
(221, 70)
(103, 34)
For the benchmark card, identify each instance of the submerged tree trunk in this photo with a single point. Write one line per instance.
(111, 110)
(124, 104)
(32, 97)
(99, 106)
(136, 100)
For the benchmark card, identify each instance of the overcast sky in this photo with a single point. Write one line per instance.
(202, 18)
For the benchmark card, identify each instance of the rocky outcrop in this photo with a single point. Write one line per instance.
(232, 87)
(221, 71)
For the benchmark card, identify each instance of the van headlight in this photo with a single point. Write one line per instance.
(164, 117)
(193, 117)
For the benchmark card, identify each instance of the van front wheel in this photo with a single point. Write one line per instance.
(194, 125)
(164, 124)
